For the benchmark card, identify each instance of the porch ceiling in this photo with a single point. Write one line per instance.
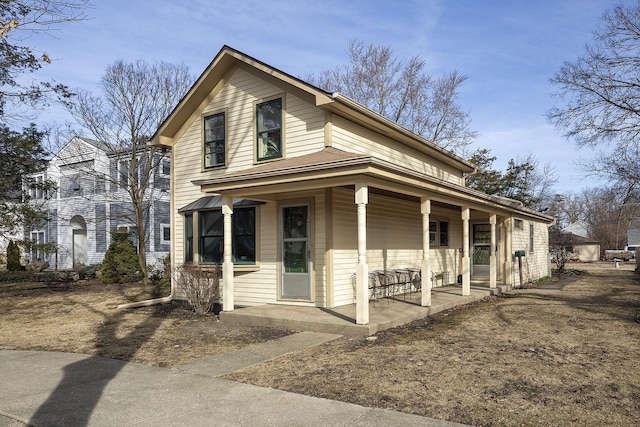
(335, 168)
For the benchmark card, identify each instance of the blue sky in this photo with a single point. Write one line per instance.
(509, 49)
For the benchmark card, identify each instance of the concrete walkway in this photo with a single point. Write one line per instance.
(383, 314)
(62, 389)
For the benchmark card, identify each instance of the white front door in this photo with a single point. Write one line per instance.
(295, 251)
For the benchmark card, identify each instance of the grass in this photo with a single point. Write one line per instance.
(560, 353)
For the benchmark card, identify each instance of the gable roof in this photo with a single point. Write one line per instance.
(228, 58)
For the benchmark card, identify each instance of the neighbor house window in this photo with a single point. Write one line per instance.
(188, 238)
(211, 236)
(214, 140)
(37, 240)
(36, 191)
(269, 129)
(165, 234)
(438, 233)
(165, 167)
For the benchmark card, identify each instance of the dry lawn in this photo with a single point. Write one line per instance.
(535, 357)
(82, 318)
(543, 356)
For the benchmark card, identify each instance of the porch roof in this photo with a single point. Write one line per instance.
(331, 167)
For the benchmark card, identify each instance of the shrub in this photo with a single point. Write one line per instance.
(201, 285)
(13, 257)
(120, 264)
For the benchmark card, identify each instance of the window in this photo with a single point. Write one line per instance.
(123, 175)
(36, 184)
(165, 234)
(438, 233)
(214, 141)
(211, 236)
(482, 233)
(37, 240)
(517, 224)
(165, 167)
(531, 238)
(188, 238)
(269, 129)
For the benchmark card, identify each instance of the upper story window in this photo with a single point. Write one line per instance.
(214, 140)
(36, 184)
(269, 129)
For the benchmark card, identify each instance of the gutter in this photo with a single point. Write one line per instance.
(149, 302)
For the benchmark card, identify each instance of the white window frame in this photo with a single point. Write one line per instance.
(34, 253)
(163, 241)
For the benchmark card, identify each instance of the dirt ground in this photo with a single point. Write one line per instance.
(81, 317)
(535, 357)
(564, 353)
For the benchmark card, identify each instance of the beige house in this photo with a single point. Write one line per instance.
(300, 194)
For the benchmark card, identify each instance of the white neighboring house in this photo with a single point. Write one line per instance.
(578, 228)
(90, 202)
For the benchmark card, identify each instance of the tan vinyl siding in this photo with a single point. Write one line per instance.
(394, 239)
(534, 265)
(351, 137)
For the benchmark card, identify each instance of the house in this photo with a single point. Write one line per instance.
(578, 228)
(300, 194)
(584, 249)
(90, 202)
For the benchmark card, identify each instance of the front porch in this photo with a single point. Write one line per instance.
(383, 314)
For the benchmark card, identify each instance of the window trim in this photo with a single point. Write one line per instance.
(196, 255)
(204, 116)
(283, 115)
(437, 241)
(163, 241)
(531, 240)
(34, 252)
(161, 167)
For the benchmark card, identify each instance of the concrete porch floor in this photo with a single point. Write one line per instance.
(383, 314)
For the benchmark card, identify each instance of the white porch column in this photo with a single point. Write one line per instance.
(362, 269)
(227, 264)
(466, 264)
(492, 254)
(425, 209)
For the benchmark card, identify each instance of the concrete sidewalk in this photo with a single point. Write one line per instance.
(62, 389)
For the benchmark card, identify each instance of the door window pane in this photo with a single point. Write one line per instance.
(295, 257)
(295, 222)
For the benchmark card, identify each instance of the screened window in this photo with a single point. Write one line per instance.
(214, 140)
(269, 129)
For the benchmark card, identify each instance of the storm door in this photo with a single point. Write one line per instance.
(481, 244)
(295, 283)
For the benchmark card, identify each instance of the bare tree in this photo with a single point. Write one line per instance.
(599, 95)
(609, 212)
(135, 98)
(403, 92)
(19, 21)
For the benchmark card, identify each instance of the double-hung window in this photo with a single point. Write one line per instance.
(269, 129)
(214, 140)
(439, 233)
(210, 233)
